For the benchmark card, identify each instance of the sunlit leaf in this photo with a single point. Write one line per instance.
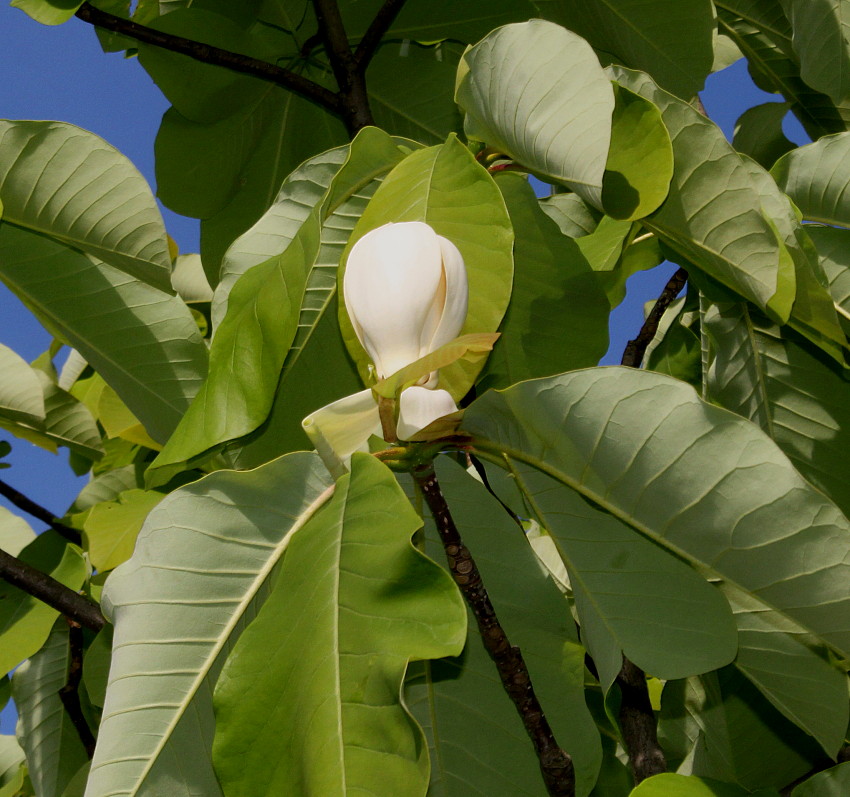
(21, 396)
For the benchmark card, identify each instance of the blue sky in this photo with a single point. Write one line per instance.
(61, 73)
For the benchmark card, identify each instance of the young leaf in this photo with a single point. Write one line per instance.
(357, 602)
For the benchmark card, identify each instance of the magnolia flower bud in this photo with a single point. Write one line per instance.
(406, 293)
(418, 406)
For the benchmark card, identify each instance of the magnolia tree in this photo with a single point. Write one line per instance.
(364, 517)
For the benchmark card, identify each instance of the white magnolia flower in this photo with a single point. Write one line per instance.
(406, 293)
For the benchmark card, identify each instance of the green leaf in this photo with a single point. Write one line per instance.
(713, 214)
(12, 762)
(106, 487)
(632, 598)
(669, 39)
(832, 783)
(21, 396)
(537, 76)
(66, 183)
(52, 744)
(269, 311)
(358, 602)
(111, 527)
(48, 12)
(758, 133)
(816, 178)
(15, 532)
(640, 161)
(558, 316)
(478, 745)
(143, 342)
(574, 217)
(200, 570)
(444, 186)
(822, 43)
(96, 662)
(672, 785)
(25, 622)
(676, 349)
(699, 481)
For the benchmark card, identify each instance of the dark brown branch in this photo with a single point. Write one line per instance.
(555, 764)
(208, 54)
(376, 31)
(354, 99)
(70, 693)
(637, 724)
(44, 515)
(635, 349)
(48, 590)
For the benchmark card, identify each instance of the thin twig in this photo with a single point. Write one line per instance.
(208, 54)
(635, 349)
(354, 99)
(44, 515)
(555, 764)
(70, 693)
(375, 32)
(637, 724)
(48, 590)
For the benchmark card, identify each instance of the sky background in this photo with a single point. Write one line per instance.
(62, 73)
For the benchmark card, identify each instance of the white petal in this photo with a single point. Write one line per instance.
(392, 281)
(418, 406)
(339, 429)
(457, 296)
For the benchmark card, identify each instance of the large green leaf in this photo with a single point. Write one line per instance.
(145, 343)
(758, 133)
(536, 92)
(478, 744)
(695, 479)
(832, 783)
(822, 43)
(45, 730)
(66, 183)
(761, 31)
(48, 12)
(356, 601)
(558, 316)
(25, 622)
(673, 785)
(264, 310)
(713, 213)
(816, 178)
(669, 39)
(632, 598)
(445, 187)
(21, 396)
(15, 535)
(201, 568)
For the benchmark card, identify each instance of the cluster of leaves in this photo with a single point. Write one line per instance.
(272, 631)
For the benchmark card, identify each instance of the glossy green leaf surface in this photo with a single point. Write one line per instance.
(141, 340)
(558, 316)
(478, 744)
(265, 309)
(53, 747)
(713, 213)
(357, 602)
(670, 785)
(738, 510)
(48, 12)
(223, 537)
(669, 39)
(84, 194)
(816, 178)
(444, 187)
(25, 622)
(536, 92)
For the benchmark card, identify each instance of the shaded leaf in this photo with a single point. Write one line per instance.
(758, 133)
(537, 76)
(21, 396)
(358, 601)
(670, 784)
(832, 783)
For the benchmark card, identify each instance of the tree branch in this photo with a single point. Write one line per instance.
(70, 693)
(48, 590)
(208, 54)
(376, 31)
(637, 724)
(39, 512)
(354, 99)
(635, 349)
(555, 764)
